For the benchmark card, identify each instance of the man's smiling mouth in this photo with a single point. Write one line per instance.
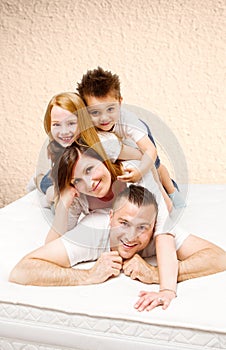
(127, 245)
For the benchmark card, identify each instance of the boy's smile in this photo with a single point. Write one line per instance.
(104, 111)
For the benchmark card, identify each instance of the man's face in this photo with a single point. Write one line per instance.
(104, 111)
(131, 228)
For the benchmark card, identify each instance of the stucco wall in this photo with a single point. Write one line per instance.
(169, 55)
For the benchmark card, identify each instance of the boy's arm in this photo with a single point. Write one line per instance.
(129, 153)
(146, 164)
(148, 158)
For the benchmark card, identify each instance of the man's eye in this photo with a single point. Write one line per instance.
(73, 123)
(142, 228)
(124, 223)
(55, 124)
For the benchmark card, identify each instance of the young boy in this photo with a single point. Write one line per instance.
(100, 90)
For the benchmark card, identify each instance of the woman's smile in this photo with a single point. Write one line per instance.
(91, 177)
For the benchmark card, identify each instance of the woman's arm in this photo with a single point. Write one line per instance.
(66, 215)
(165, 274)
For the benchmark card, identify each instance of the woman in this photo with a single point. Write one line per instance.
(85, 182)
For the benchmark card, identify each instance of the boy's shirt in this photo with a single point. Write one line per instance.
(129, 127)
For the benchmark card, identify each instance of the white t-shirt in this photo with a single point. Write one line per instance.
(90, 237)
(129, 127)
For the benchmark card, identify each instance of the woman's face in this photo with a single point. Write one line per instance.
(64, 126)
(91, 177)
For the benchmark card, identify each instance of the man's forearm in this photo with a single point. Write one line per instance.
(203, 263)
(31, 271)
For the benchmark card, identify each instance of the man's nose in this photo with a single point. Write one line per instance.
(130, 233)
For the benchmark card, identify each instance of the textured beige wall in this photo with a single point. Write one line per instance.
(168, 53)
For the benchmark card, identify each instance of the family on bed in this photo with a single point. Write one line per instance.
(112, 200)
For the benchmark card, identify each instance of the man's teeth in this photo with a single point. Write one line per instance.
(128, 245)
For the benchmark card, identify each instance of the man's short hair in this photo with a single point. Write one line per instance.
(137, 195)
(99, 83)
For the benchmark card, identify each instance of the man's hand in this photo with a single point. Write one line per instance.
(130, 175)
(138, 268)
(149, 300)
(108, 265)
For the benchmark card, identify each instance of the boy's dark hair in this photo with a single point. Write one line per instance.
(99, 83)
(138, 195)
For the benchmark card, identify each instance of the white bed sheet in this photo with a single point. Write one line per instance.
(102, 316)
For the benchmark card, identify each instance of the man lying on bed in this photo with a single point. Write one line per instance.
(115, 245)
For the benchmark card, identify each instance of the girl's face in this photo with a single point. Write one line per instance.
(91, 177)
(64, 126)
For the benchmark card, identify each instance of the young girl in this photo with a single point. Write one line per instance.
(66, 118)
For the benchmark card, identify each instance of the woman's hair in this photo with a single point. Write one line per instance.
(64, 159)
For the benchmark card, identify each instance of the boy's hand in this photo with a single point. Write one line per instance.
(130, 175)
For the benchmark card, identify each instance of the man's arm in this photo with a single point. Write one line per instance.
(50, 266)
(199, 257)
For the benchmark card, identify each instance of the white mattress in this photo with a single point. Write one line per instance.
(102, 316)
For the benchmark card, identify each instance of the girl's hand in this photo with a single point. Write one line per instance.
(130, 175)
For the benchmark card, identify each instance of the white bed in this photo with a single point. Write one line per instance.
(102, 316)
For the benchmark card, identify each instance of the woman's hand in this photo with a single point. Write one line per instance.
(149, 300)
(68, 195)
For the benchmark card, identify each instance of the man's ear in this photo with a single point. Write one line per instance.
(120, 100)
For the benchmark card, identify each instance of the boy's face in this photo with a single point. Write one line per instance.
(131, 228)
(104, 111)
